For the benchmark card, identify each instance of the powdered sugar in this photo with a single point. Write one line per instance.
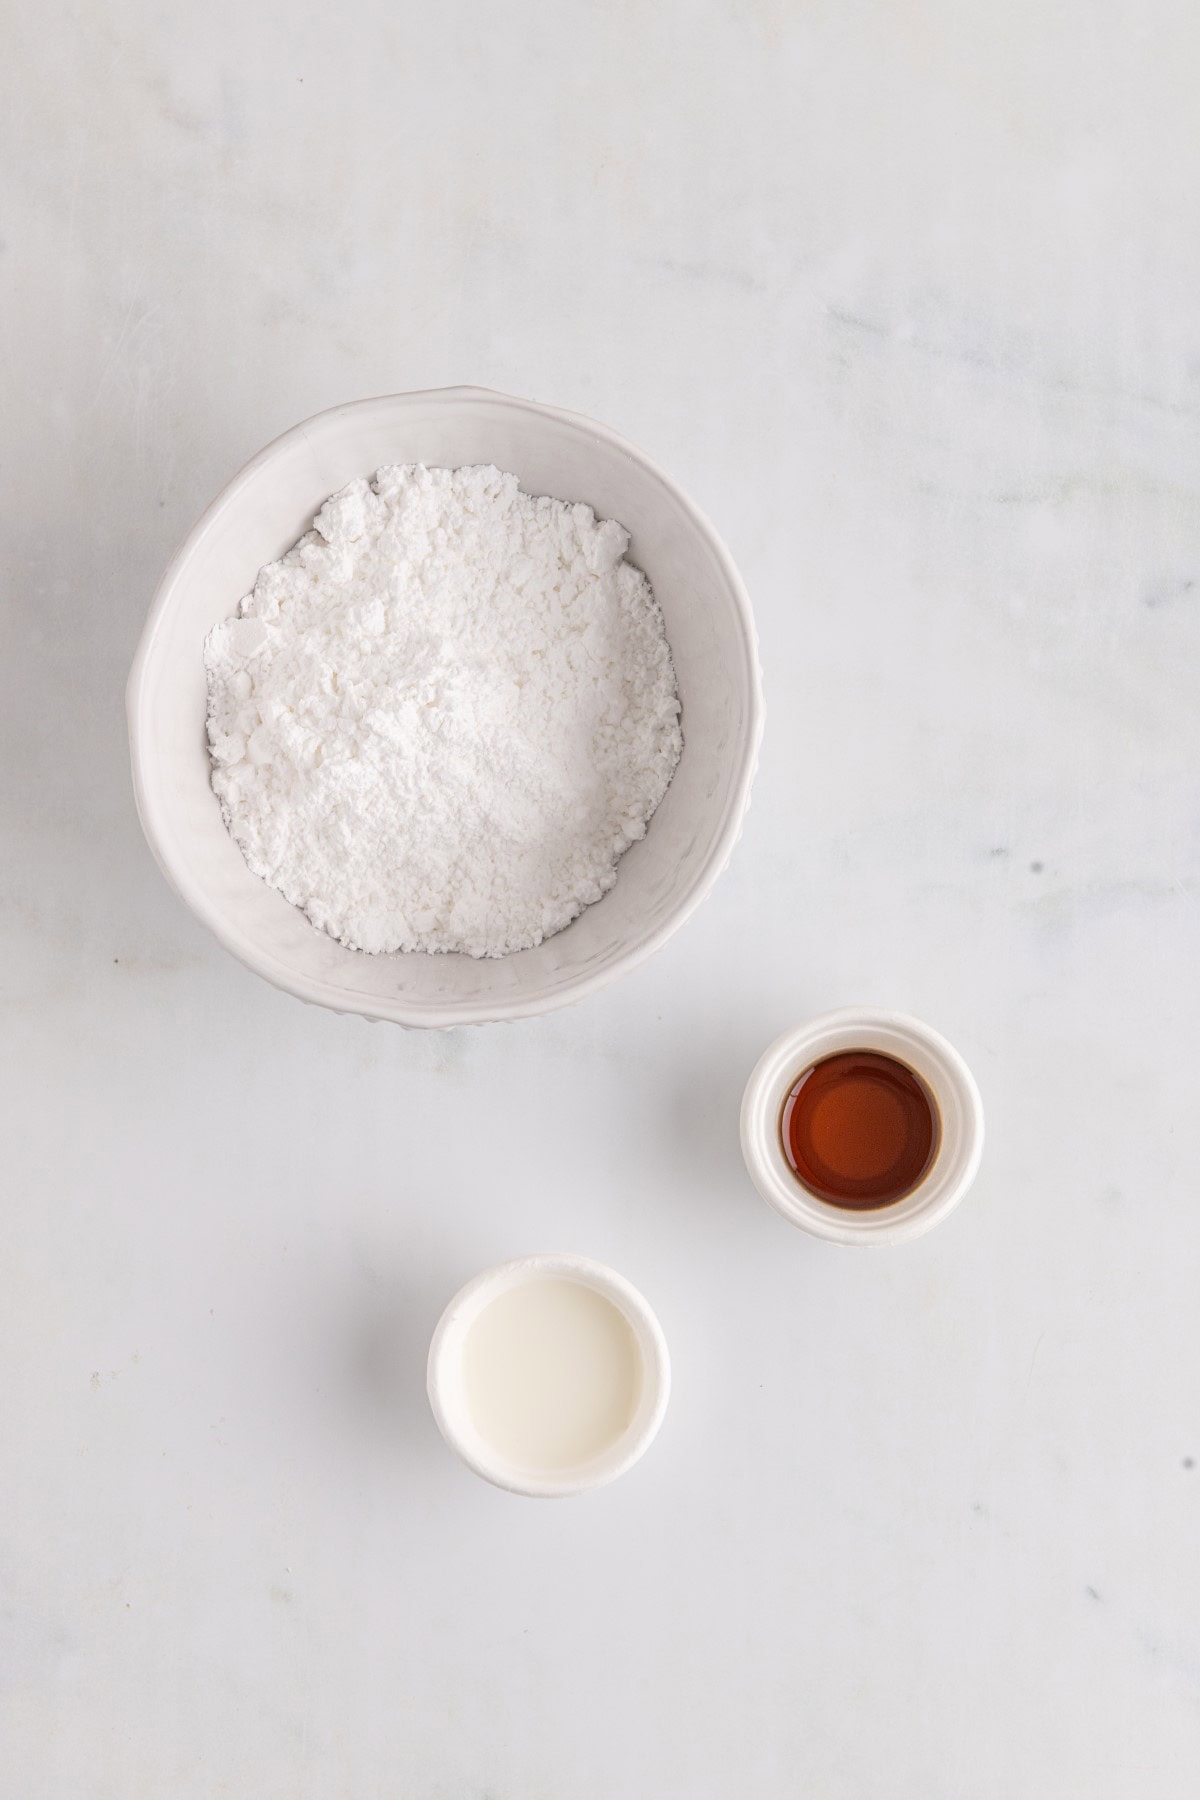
(439, 721)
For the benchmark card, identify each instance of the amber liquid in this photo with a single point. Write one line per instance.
(859, 1129)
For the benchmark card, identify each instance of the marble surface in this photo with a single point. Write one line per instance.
(906, 296)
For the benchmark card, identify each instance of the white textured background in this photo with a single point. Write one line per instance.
(906, 295)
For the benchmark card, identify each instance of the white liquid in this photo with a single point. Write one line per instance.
(552, 1374)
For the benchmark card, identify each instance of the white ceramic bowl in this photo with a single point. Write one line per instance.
(260, 514)
(449, 1402)
(938, 1063)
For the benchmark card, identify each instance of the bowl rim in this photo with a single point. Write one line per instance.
(448, 1409)
(156, 827)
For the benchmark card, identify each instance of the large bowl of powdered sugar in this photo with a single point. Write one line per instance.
(447, 710)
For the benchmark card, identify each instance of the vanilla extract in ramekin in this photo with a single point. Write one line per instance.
(862, 1127)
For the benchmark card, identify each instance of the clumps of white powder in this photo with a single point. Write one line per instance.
(439, 721)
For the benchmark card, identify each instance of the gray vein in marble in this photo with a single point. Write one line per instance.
(908, 338)
(727, 274)
(1164, 592)
(1062, 489)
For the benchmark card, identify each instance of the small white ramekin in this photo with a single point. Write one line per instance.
(925, 1051)
(448, 1398)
